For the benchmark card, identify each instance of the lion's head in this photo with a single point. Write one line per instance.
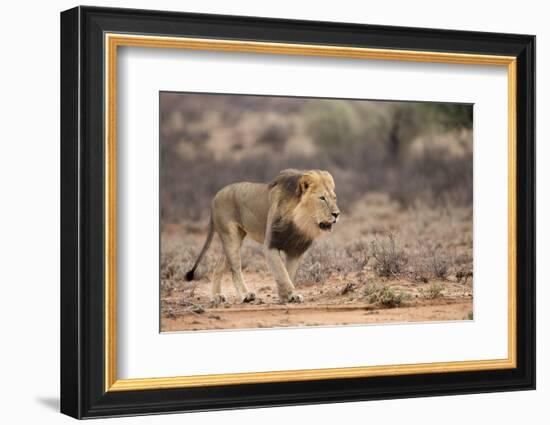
(314, 208)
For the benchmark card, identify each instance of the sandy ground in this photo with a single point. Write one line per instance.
(335, 302)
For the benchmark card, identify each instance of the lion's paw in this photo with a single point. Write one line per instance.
(295, 298)
(249, 297)
(219, 299)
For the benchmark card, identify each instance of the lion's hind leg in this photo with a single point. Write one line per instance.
(232, 242)
(221, 267)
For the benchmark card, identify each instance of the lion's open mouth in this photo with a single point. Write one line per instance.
(325, 225)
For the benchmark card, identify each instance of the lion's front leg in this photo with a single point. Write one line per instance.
(276, 264)
(292, 263)
(284, 283)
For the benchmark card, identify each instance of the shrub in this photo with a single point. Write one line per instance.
(325, 258)
(176, 260)
(435, 290)
(166, 288)
(333, 124)
(435, 176)
(275, 135)
(439, 265)
(316, 266)
(390, 260)
(358, 254)
(430, 261)
(463, 267)
(384, 295)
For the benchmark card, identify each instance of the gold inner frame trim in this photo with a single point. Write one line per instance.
(113, 41)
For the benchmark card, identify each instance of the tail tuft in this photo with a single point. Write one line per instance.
(190, 275)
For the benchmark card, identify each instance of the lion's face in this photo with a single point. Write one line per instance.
(317, 210)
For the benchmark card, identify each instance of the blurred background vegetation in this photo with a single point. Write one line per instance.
(410, 151)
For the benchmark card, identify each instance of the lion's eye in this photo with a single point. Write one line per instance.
(322, 198)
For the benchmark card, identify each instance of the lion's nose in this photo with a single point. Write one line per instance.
(335, 214)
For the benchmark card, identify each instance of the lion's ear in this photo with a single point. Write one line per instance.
(305, 183)
(328, 178)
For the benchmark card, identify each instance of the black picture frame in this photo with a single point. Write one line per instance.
(83, 392)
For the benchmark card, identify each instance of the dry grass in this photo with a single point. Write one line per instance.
(433, 291)
(379, 239)
(384, 295)
(328, 258)
(390, 260)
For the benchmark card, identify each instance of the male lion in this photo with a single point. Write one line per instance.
(284, 216)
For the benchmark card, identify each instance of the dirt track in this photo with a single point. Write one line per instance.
(334, 302)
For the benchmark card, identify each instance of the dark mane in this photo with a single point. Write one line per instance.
(286, 237)
(288, 181)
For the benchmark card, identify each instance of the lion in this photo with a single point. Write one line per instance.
(285, 216)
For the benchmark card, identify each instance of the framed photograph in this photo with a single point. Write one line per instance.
(261, 212)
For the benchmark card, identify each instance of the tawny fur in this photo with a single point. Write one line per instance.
(285, 216)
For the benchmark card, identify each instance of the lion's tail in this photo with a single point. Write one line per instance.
(190, 275)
